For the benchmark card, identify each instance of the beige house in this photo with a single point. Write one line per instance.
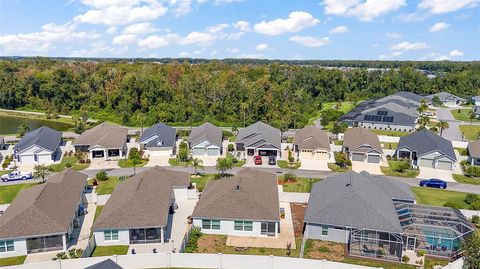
(311, 143)
(361, 145)
(104, 141)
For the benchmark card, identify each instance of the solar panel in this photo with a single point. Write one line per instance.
(387, 119)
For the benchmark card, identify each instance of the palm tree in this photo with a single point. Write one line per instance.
(423, 121)
(197, 164)
(442, 125)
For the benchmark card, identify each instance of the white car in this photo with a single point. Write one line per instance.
(16, 175)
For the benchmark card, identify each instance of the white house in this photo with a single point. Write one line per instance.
(159, 140)
(40, 146)
(206, 140)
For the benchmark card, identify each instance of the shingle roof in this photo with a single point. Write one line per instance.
(45, 208)
(106, 264)
(425, 141)
(357, 200)
(311, 137)
(143, 200)
(259, 134)
(407, 96)
(159, 135)
(356, 137)
(206, 132)
(249, 195)
(445, 96)
(104, 135)
(474, 149)
(44, 137)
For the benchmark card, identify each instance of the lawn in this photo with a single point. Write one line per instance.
(98, 210)
(107, 186)
(431, 262)
(9, 192)
(462, 152)
(12, 260)
(390, 170)
(437, 197)
(3, 172)
(286, 165)
(128, 163)
(390, 133)
(335, 168)
(66, 162)
(232, 138)
(176, 162)
(344, 107)
(470, 131)
(109, 251)
(201, 180)
(463, 115)
(239, 163)
(300, 185)
(466, 180)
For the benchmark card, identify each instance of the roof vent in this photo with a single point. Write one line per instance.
(160, 143)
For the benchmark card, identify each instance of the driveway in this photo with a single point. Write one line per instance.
(250, 162)
(371, 168)
(426, 173)
(452, 132)
(101, 164)
(312, 164)
(158, 160)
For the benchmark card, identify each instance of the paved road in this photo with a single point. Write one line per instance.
(452, 132)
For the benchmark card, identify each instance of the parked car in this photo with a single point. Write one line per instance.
(16, 175)
(434, 183)
(258, 160)
(271, 160)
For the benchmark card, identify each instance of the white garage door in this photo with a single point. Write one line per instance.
(27, 159)
(444, 165)
(425, 162)
(198, 151)
(159, 153)
(373, 158)
(320, 155)
(305, 154)
(44, 158)
(213, 152)
(358, 157)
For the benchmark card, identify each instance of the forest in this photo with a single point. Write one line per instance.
(226, 93)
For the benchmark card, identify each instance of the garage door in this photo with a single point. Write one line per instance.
(198, 151)
(357, 157)
(321, 155)
(425, 162)
(44, 158)
(213, 152)
(26, 159)
(159, 153)
(373, 158)
(444, 165)
(305, 155)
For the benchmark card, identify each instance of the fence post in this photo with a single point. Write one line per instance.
(59, 263)
(323, 261)
(169, 259)
(271, 261)
(219, 260)
(116, 258)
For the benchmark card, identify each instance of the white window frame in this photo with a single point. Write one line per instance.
(4, 245)
(324, 229)
(108, 235)
(242, 224)
(209, 223)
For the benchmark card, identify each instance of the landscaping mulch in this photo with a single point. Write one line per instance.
(325, 250)
(298, 211)
(210, 243)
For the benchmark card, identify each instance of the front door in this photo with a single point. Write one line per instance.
(411, 243)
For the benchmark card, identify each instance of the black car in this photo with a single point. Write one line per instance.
(271, 160)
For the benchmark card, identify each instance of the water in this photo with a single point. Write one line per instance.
(10, 124)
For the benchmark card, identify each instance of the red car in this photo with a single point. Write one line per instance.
(258, 160)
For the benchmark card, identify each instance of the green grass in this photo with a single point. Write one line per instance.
(464, 115)
(337, 142)
(437, 197)
(109, 251)
(344, 107)
(201, 180)
(175, 162)
(68, 161)
(466, 180)
(300, 185)
(98, 210)
(240, 163)
(286, 165)
(12, 260)
(390, 133)
(232, 138)
(390, 170)
(390, 145)
(430, 262)
(3, 172)
(107, 186)
(336, 168)
(9, 192)
(470, 131)
(128, 163)
(462, 152)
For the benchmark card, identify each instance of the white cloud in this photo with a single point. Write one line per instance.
(393, 35)
(242, 26)
(197, 38)
(455, 53)
(234, 36)
(262, 46)
(140, 28)
(156, 41)
(221, 2)
(339, 29)
(217, 28)
(364, 10)
(309, 41)
(445, 6)
(405, 45)
(439, 26)
(296, 21)
(232, 50)
(252, 56)
(394, 54)
(111, 30)
(434, 56)
(183, 54)
(125, 39)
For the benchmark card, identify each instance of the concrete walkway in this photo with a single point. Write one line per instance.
(83, 234)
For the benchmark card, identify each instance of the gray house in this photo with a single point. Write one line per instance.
(427, 149)
(159, 140)
(206, 140)
(41, 145)
(447, 99)
(361, 145)
(259, 139)
(376, 217)
(474, 152)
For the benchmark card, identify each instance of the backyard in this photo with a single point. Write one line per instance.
(466, 180)
(344, 107)
(437, 197)
(390, 133)
(9, 192)
(470, 131)
(109, 251)
(300, 184)
(462, 114)
(107, 186)
(394, 169)
(201, 180)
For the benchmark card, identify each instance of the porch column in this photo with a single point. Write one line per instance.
(472, 161)
(162, 235)
(64, 241)
(105, 152)
(276, 229)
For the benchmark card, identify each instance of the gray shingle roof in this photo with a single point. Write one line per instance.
(45, 208)
(354, 138)
(249, 195)
(259, 134)
(311, 137)
(365, 203)
(474, 149)
(159, 135)
(406, 96)
(106, 264)
(206, 132)
(143, 200)
(425, 141)
(44, 137)
(445, 96)
(104, 135)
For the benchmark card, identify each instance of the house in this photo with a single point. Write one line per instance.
(259, 139)
(206, 140)
(104, 141)
(311, 143)
(446, 98)
(426, 149)
(139, 209)
(40, 146)
(3, 145)
(474, 152)
(476, 100)
(246, 204)
(377, 217)
(42, 217)
(159, 140)
(105, 264)
(361, 145)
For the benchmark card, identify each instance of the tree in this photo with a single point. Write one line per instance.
(472, 116)
(141, 117)
(436, 101)
(339, 127)
(244, 107)
(442, 125)
(224, 164)
(471, 251)
(41, 171)
(423, 121)
(101, 176)
(135, 160)
(23, 129)
(197, 164)
(423, 106)
(183, 152)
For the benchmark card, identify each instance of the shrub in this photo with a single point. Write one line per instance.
(421, 253)
(230, 147)
(134, 153)
(401, 167)
(476, 220)
(289, 176)
(475, 205)
(471, 198)
(192, 244)
(405, 259)
(472, 171)
(290, 157)
(341, 159)
(452, 204)
(101, 176)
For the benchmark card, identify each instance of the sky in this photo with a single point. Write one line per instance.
(218, 29)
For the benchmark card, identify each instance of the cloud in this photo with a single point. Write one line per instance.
(252, 56)
(394, 54)
(405, 45)
(445, 6)
(242, 26)
(125, 39)
(234, 36)
(157, 41)
(393, 35)
(296, 21)
(111, 30)
(183, 54)
(455, 53)
(309, 41)
(339, 29)
(434, 56)
(364, 10)
(439, 26)
(197, 38)
(262, 46)
(222, 2)
(140, 28)
(217, 28)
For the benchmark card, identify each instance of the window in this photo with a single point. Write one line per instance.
(208, 224)
(324, 230)
(382, 113)
(6, 246)
(243, 225)
(110, 235)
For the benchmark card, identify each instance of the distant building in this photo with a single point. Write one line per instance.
(447, 99)
(476, 100)
(40, 146)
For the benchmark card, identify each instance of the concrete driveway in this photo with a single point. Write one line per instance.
(371, 168)
(452, 132)
(102, 164)
(426, 173)
(158, 160)
(250, 162)
(312, 164)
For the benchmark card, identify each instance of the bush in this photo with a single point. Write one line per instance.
(421, 253)
(401, 167)
(230, 147)
(341, 159)
(452, 204)
(476, 220)
(226, 134)
(475, 205)
(192, 244)
(289, 176)
(472, 171)
(405, 259)
(134, 153)
(101, 176)
(471, 198)
(291, 159)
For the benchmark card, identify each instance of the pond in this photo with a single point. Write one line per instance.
(9, 124)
